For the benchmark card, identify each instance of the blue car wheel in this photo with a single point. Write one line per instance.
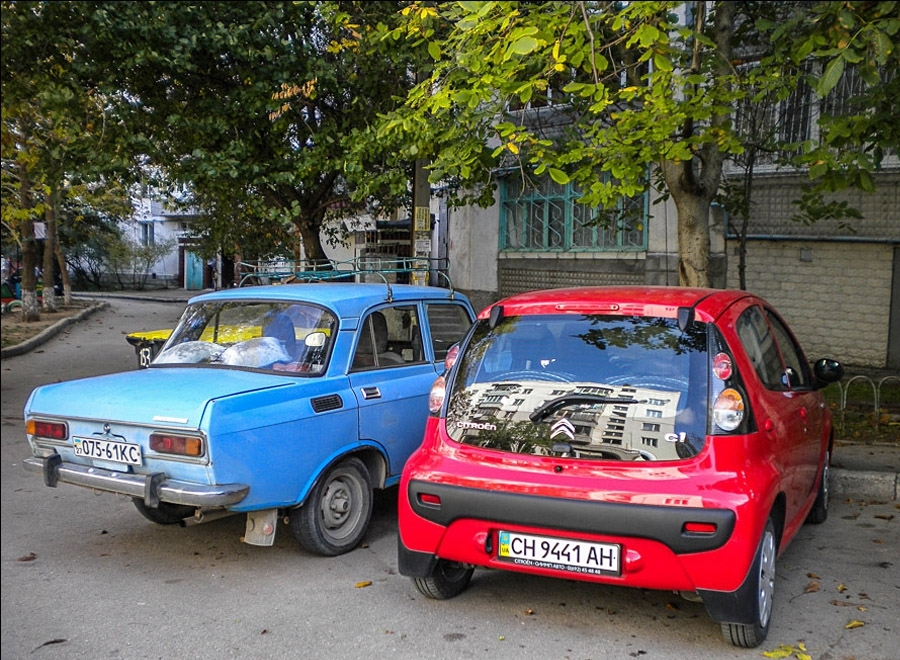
(335, 517)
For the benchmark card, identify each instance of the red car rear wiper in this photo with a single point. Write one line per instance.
(574, 399)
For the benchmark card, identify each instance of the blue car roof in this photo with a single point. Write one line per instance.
(347, 299)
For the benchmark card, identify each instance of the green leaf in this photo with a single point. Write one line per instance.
(559, 176)
(818, 170)
(833, 72)
(662, 62)
(523, 46)
(434, 49)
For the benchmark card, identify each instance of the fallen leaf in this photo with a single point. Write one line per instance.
(529, 612)
(812, 587)
(855, 624)
(812, 576)
(672, 606)
(29, 557)
(878, 541)
(884, 517)
(781, 652)
(363, 584)
(58, 640)
(842, 588)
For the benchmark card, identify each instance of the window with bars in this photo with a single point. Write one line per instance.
(796, 118)
(544, 216)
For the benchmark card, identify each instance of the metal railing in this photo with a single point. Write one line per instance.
(844, 389)
(360, 269)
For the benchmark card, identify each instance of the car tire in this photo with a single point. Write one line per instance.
(448, 579)
(751, 635)
(336, 515)
(165, 514)
(819, 512)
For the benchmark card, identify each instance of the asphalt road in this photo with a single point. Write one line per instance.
(85, 576)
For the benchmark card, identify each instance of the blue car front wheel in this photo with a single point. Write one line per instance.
(336, 515)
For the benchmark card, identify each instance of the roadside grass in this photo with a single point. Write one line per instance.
(856, 418)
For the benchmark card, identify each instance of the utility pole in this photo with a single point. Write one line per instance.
(421, 225)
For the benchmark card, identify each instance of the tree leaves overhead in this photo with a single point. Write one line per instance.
(252, 105)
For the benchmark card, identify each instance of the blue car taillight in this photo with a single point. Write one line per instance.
(183, 445)
(49, 430)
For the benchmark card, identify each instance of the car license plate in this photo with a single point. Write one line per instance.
(105, 450)
(559, 554)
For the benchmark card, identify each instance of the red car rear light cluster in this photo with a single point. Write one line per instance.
(436, 395)
(185, 445)
(728, 406)
(49, 430)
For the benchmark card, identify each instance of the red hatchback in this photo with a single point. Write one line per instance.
(653, 437)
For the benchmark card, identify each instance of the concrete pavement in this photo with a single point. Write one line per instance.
(860, 471)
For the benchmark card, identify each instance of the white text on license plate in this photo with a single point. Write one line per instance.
(104, 450)
(559, 554)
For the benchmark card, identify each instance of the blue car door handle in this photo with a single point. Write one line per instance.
(371, 393)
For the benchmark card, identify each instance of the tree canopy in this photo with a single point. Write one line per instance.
(637, 87)
(285, 119)
(251, 106)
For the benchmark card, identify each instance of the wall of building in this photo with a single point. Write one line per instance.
(835, 296)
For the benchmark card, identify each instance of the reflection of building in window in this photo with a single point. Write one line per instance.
(601, 430)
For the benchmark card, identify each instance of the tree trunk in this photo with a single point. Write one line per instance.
(31, 310)
(693, 227)
(49, 264)
(312, 241)
(64, 274)
(693, 184)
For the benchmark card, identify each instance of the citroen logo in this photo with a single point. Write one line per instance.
(563, 427)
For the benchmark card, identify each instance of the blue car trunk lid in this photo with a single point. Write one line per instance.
(147, 397)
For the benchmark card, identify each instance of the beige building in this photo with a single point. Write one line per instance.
(838, 288)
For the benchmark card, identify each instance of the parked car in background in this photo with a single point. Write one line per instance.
(654, 437)
(288, 402)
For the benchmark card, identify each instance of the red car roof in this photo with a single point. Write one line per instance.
(627, 300)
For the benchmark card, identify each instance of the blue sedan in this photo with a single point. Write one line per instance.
(284, 402)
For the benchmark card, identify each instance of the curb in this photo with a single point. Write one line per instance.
(864, 484)
(52, 331)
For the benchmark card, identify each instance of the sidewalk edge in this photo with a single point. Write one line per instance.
(50, 332)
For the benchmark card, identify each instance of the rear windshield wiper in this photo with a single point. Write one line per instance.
(574, 399)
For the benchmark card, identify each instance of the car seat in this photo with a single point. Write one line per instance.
(372, 349)
(282, 328)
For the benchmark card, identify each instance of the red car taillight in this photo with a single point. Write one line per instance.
(185, 445)
(437, 394)
(450, 358)
(728, 409)
(49, 430)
